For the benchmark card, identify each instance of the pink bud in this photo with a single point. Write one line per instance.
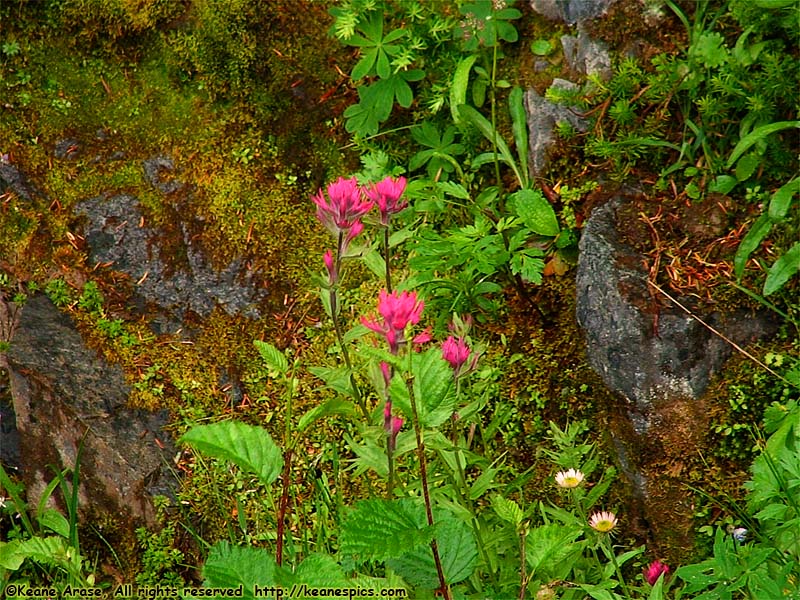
(655, 570)
(330, 265)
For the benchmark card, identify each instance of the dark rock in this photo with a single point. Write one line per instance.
(9, 436)
(157, 170)
(65, 395)
(177, 278)
(12, 179)
(67, 148)
(543, 116)
(571, 11)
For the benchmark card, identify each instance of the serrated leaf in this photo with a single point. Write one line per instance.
(751, 241)
(457, 548)
(335, 378)
(231, 566)
(49, 550)
(548, 546)
(249, 447)
(317, 571)
(782, 270)
(381, 529)
(782, 200)
(275, 359)
(451, 188)
(536, 212)
(508, 510)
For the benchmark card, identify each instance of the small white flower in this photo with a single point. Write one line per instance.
(570, 478)
(603, 521)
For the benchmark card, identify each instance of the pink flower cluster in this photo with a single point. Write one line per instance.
(347, 202)
(399, 310)
(655, 570)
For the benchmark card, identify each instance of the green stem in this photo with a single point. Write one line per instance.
(493, 97)
(609, 550)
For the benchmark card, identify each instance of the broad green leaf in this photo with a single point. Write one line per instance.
(249, 447)
(723, 184)
(318, 571)
(754, 136)
(757, 232)
(782, 200)
(433, 389)
(519, 123)
(231, 566)
(784, 268)
(55, 521)
(10, 556)
(381, 529)
(536, 212)
(336, 406)
(458, 89)
(457, 548)
(508, 510)
(746, 166)
(541, 47)
(374, 262)
(275, 359)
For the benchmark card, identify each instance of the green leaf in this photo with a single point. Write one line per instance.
(756, 135)
(541, 47)
(785, 267)
(10, 556)
(433, 389)
(751, 241)
(548, 546)
(55, 521)
(458, 552)
(275, 359)
(380, 529)
(231, 566)
(458, 89)
(723, 184)
(508, 510)
(746, 166)
(50, 550)
(318, 571)
(489, 132)
(519, 122)
(336, 406)
(249, 447)
(782, 200)
(536, 212)
(335, 378)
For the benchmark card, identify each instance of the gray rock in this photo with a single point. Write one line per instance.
(571, 11)
(12, 179)
(65, 395)
(176, 275)
(543, 116)
(586, 56)
(651, 355)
